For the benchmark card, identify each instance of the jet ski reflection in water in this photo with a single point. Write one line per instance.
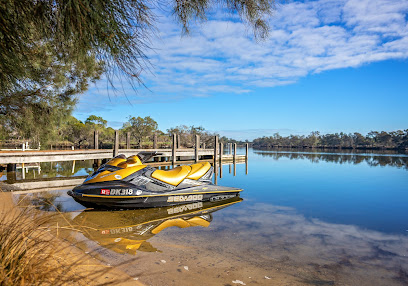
(128, 231)
(128, 183)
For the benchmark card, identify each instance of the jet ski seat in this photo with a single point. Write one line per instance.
(198, 170)
(172, 177)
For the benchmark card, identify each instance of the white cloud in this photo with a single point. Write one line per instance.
(306, 38)
(221, 56)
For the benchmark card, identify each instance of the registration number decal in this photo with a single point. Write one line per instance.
(116, 192)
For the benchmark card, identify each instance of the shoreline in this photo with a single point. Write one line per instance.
(70, 256)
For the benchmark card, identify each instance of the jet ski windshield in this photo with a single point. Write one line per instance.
(145, 156)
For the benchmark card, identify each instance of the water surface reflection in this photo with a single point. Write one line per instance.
(374, 160)
(306, 219)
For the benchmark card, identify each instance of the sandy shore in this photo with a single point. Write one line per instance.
(69, 254)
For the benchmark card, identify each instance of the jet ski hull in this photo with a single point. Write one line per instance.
(122, 195)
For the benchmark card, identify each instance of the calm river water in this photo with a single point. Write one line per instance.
(305, 219)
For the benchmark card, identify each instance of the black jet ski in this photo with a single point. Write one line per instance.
(129, 231)
(128, 183)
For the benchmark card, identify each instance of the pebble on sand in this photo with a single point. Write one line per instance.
(186, 268)
(238, 282)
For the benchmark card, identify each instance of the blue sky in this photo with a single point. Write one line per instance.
(328, 65)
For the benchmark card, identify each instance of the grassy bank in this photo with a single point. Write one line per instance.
(31, 254)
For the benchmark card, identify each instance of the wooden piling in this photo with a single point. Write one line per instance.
(221, 152)
(215, 147)
(246, 167)
(234, 152)
(128, 140)
(116, 144)
(155, 141)
(11, 173)
(173, 149)
(197, 147)
(230, 148)
(11, 167)
(96, 139)
(215, 172)
(178, 141)
(246, 151)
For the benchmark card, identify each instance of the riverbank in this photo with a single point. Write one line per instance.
(61, 262)
(374, 149)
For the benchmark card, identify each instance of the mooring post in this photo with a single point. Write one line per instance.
(204, 145)
(220, 170)
(215, 147)
(246, 151)
(128, 140)
(11, 173)
(23, 147)
(197, 147)
(11, 167)
(173, 149)
(215, 172)
(246, 167)
(235, 152)
(178, 141)
(116, 144)
(96, 140)
(221, 152)
(155, 141)
(230, 148)
(156, 159)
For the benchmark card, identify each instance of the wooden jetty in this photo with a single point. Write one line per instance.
(176, 154)
(173, 156)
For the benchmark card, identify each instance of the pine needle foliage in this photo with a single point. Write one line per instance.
(116, 32)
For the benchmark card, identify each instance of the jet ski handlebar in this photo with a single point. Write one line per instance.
(144, 156)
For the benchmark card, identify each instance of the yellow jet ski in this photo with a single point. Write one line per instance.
(124, 183)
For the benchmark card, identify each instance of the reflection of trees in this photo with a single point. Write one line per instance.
(45, 201)
(371, 160)
(61, 169)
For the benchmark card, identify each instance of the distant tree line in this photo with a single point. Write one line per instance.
(373, 140)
